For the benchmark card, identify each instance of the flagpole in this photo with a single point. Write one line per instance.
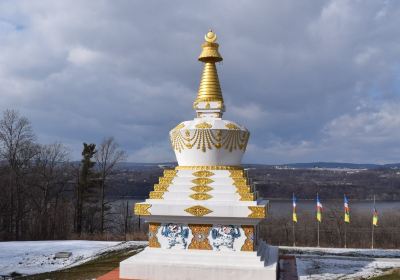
(373, 228)
(293, 229)
(345, 235)
(345, 226)
(317, 224)
(294, 236)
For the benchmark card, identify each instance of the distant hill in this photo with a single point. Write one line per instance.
(334, 165)
(305, 165)
(341, 165)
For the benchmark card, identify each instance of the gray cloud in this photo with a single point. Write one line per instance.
(311, 80)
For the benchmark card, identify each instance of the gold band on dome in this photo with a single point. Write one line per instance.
(209, 167)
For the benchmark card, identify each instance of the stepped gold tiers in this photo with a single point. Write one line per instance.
(203, 214)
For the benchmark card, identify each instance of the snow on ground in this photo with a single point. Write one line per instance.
(338, 263)
(32, 257)
(329, 269)
(351, 252)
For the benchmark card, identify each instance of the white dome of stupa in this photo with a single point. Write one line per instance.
(208, 140)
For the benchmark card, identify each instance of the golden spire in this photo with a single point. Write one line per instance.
(210, 90)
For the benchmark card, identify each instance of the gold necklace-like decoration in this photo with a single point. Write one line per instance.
(205, 139)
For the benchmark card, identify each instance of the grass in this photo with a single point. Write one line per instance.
(393, 275)
(89, 270)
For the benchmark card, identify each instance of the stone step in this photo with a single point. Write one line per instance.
(188, 187)
(193, 196)
(175, 264)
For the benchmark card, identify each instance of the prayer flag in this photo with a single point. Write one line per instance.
(294, 209)
(346, 210)
(375, 218)
(319, 210)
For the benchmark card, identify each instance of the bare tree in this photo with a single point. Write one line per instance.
(51, 173)
(107, 156)
(17, 149)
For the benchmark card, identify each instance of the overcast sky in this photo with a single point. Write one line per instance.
(311, 80)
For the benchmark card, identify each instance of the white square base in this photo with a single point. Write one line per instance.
(163, 264)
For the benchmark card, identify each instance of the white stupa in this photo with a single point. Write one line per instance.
(203, 214)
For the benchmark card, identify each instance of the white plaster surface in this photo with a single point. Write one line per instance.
(201, 264)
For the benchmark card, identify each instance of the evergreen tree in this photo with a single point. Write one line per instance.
(86, 191)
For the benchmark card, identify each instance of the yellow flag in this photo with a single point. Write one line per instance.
(294, 217)
(375, 220)
(319, 216)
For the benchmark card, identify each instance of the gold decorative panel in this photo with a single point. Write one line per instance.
(236, 173)
(203, 125)
(257, 212)
(240, 180)
(142, 209)
(240, 184)
(201, 188)
(246, 196)
(202, 181)
(203, 173)
(249, 242)
(198, 210)
(165, 180)
(243, 189)
(170, 173)
(200, 237)
(156, 195)
(153, 240)
(201, 196)
(161, 187)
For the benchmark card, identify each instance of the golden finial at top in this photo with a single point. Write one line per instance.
(210, 37)
(209, 51)
(210, 89)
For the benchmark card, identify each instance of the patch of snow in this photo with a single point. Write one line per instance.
(340, 263)
(32, 257)
(329, 269)
(350, 252)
